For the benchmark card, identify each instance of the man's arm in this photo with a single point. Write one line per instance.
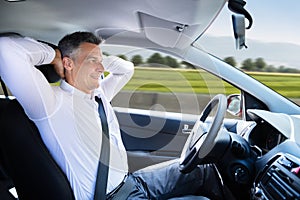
(120, 72)
(18, 56)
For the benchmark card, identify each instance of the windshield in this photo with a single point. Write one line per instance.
(273, 42)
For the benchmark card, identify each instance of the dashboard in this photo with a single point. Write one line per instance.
(277, 167)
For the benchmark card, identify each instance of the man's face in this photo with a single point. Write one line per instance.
(87, 67)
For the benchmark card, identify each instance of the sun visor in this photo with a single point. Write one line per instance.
(167, 33)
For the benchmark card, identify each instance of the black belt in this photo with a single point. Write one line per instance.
(123, 190)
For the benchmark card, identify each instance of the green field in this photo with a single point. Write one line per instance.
(187, 81)
(286, 84)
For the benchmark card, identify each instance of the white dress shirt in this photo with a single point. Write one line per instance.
(66, 117)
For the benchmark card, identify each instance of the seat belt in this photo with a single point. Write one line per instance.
(4, 89)
(103, 165)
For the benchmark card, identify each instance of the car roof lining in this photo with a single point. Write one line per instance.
(49, 20)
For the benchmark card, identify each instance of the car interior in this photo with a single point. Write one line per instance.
(252, 136)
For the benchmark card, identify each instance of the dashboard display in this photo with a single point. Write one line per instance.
(273, 139)
(265, 136)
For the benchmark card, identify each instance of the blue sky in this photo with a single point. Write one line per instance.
(274, 21)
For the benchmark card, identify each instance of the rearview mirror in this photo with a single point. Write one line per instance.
(238, 23)
(234, 104)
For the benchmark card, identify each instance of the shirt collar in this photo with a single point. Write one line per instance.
(72, 90)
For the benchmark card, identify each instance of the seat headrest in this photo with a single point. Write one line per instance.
(49, 72)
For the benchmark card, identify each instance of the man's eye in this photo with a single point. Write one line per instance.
(93, 60)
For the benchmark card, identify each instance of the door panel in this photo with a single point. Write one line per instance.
(152, 137)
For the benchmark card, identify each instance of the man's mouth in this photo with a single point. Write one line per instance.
(96, 77)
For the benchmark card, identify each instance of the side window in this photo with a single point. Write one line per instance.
(164, 83)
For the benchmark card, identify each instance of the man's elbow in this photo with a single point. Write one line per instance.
(9, 50)
(7, 53)
(5, 45)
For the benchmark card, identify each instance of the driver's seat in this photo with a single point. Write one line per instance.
(26, 159)
(24, 156)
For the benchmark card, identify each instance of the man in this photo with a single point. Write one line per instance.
(68, 120)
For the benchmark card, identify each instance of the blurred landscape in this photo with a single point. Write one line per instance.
(189, 90)
(201, 82)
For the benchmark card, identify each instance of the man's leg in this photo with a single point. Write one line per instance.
(164, 180)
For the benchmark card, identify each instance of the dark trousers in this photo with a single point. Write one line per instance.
(164, 181)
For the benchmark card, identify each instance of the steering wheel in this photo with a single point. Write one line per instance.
(201, 141)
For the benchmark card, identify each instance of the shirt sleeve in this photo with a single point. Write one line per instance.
(18, 56)
(120, 72)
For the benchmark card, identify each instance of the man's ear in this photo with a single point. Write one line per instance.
(68, 63)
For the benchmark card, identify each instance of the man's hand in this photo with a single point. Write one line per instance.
(57, 63)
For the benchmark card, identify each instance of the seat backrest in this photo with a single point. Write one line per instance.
(26, 159)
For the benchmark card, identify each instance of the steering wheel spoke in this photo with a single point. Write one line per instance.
(197, 133)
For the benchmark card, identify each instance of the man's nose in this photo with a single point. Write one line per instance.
(100, 67)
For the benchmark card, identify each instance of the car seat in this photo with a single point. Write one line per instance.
(25, 158)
